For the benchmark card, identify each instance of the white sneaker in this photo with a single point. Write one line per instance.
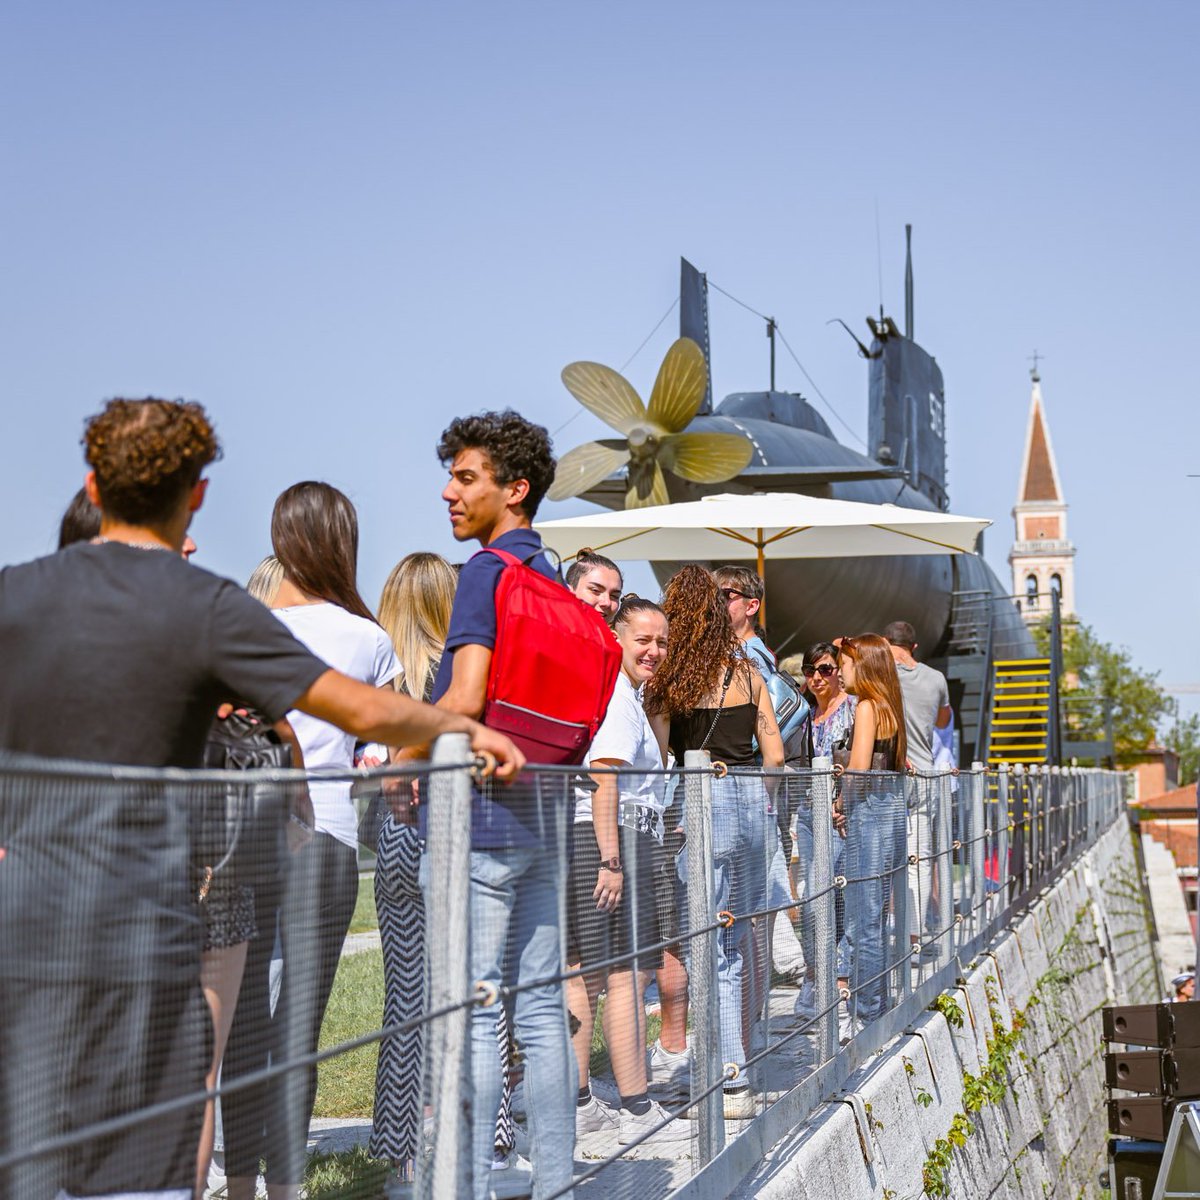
(665, 1127)
(739, 1104)
(511, 1178)
(594, 1117)
(216, 1173)
(669, 1074)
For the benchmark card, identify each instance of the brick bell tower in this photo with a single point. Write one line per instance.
(1042, 557)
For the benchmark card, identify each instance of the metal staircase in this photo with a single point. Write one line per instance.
(969, 669)
(1023, 696)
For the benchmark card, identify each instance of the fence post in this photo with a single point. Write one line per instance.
(978, 856)
(707, 1062)
(823, 915)
(944, 831)
(1037, 820)
(447, 1173)
(1007, 849)
(1054, 810)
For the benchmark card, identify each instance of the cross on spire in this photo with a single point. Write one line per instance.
(1035, 358)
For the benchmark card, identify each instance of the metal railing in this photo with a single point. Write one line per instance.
(894, 882)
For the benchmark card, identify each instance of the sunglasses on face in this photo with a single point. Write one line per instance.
(825, 670)
(732, 594)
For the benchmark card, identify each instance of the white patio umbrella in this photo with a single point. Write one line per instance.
(774, 525)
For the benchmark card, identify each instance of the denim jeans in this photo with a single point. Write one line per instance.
(516, 936)
(876, 839)
(806, 886)
(741, 822)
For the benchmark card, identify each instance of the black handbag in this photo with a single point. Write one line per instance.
(371, 822)
(240, 829)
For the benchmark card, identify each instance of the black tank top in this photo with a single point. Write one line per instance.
(732, 737)
(883, 754)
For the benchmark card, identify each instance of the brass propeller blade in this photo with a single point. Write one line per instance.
(680, 386)
(605, 392)
(584, 467)
(706, 457)
(647, 486)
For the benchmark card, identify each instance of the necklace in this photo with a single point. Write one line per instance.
(103, 541)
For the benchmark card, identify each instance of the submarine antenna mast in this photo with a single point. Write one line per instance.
(908, 284)
(771, 327)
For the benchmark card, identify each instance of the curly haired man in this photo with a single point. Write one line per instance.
(118, 651)
(500, 468)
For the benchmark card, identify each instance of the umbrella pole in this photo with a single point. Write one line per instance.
(761, 565)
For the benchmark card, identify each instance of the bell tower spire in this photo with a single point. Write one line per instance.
(1042, 557)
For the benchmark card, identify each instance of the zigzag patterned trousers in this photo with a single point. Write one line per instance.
(396, 1130)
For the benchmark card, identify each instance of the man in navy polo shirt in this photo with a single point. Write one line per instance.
(500, 468)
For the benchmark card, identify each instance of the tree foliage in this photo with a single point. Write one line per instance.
(1183, 736)
(1099, 676)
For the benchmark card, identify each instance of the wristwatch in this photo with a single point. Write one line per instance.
(613, 865)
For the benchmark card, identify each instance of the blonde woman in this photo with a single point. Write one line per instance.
(265, 579)
(414, 610)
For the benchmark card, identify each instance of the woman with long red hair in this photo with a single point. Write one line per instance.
(872, 814)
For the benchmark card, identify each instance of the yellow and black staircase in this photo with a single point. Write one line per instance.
(1021, 698)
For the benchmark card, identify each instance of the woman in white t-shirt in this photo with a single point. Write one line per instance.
(611, 901)
(314, 533)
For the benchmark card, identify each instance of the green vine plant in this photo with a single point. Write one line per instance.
(994, 1081)
(950, 1009)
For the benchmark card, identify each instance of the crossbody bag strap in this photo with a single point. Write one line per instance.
(724, 692)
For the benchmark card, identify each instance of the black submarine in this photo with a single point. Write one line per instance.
(963, 614)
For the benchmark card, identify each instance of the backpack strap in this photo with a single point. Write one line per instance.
(509, 560)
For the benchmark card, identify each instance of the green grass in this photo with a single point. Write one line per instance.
(346, 1084)
(365, 918)
(347, 1175)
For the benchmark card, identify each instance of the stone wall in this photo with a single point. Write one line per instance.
(1000, 1092)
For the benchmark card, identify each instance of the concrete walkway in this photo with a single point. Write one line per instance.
(1176, 946)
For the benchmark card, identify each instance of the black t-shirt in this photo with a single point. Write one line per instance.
(116, 655)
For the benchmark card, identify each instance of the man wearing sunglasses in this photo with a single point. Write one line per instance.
(743, 592)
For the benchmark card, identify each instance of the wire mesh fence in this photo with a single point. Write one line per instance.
(578, 981)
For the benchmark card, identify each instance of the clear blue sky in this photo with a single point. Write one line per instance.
(339, 224)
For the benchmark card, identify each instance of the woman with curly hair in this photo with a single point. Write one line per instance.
(871, 813)
(715, 700)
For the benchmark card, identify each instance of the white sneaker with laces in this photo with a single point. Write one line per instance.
(594, 1117)
(667, 1073)
(665, 1127)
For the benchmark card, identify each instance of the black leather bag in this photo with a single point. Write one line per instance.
(241, 828)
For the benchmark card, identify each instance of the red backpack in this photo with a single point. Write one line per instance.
(554, 666)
